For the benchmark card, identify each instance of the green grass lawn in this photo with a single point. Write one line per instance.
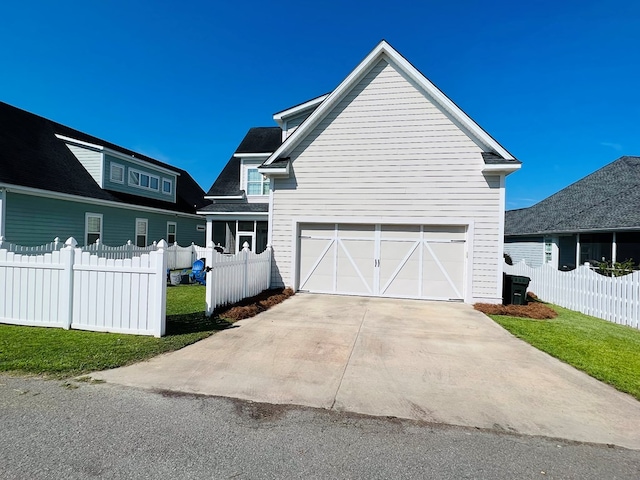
(64, 353)
(604, 350)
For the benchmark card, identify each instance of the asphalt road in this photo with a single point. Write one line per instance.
(51, 430)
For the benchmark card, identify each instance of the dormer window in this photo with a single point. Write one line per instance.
(117, 173)
(143, 180)
(257, 184)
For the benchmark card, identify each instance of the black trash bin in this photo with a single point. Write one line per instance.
(514, 290)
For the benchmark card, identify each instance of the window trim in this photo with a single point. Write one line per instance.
(175, 232)
(170, 182)
(88, 215)
(121, 167)
(263, 180)
(146, 231)
(139, 184)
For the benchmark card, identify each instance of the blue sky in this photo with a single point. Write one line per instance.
(556, 83)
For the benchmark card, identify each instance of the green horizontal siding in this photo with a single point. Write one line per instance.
(32, 220)
(142, 192)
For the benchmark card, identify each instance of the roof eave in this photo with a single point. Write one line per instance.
(502, 168)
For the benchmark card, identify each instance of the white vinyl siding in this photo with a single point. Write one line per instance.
(90, 160)
(387, 151)
(531, 250)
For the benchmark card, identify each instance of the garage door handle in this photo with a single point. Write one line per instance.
(376, 263)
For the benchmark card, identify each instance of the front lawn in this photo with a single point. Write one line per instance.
(64, 353)
(604, 350)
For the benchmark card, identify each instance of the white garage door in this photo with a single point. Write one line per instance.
(412, 261)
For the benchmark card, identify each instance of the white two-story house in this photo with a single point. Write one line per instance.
(383, 187)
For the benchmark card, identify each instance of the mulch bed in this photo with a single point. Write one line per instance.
(534, 309)
(249, 307)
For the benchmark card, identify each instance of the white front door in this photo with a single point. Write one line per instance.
(410, 261)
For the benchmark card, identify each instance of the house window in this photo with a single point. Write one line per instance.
(172, 230)
(142, 226)
(93, 227)
(548, 250)
(117, 173)
(167, 186)
(257, 184)
(143, 180)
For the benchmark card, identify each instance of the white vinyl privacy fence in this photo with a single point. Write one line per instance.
(115, 289)
(70, 288)
(177, 257)
(616, 299)
(231, 278)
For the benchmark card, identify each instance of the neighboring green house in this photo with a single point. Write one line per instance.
(59, 182)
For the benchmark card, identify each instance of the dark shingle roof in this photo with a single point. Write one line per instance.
(228, 182)
(32, 156)
(261, 140)
(231, 207)
(491, 158)
(257, 140)
(608, 199)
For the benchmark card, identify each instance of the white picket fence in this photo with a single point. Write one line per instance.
(70, 288)
(177, 257)
(233, 277)
(616, 299)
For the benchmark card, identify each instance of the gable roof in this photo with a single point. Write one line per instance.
(607, 199)
(32, 156)
(260, 140)
(385, 51)
(257, 140)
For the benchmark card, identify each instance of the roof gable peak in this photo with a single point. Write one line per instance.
(384, 51)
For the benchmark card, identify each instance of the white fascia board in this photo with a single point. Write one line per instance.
(36, 192)
(115, 153)
(280, 117)
(235, 216)
(252, 155)
(501, 168)
(271, 172)
(381, 50)
(224, 197)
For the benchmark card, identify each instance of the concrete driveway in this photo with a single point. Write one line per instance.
(431, 361)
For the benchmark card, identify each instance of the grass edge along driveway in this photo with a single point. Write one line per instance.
(59, 353)
(604, 350)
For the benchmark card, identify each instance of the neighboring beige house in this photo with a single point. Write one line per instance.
(384, 187)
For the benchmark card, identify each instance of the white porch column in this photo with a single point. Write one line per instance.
(577, 250)
(614, 248)
(3, 210)
(209, 234)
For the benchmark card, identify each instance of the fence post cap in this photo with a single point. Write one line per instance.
(269, 246)
(71, 242)
(162, 244)
(128, 242)
(210, 244)
(56, 240)
(1, 238)
(245, 246)
(98, 241)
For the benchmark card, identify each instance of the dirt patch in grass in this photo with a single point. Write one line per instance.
(252, 306)
(535, 310)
